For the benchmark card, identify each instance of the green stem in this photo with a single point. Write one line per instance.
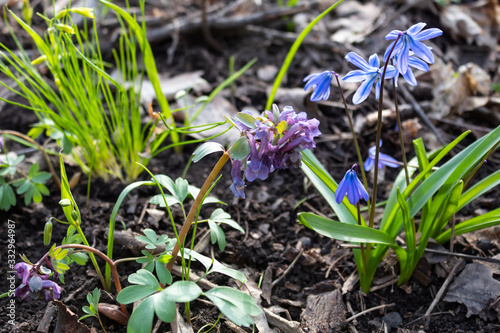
(92, 257)
(400, 132)
(354, 137)
(194, 208)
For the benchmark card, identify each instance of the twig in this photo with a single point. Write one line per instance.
(466, 256)
(382, 286)
(289, 268)
(206, 29)
(441, 292)
(422, 114)
(369, 310)
(281, 323)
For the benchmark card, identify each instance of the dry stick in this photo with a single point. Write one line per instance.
(289, 268)
(42, 149)
(194, 208)
(369, 310)
(441, 292)
(206, 29)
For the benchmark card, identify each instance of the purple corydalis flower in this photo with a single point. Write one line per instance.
(383, 159)
(351, 186)
(369, 74)
(276, 141)
(411, 40)
(34, 284)
(320, 82)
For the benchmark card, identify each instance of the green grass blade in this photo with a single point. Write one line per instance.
(291, 54)
(479, 189)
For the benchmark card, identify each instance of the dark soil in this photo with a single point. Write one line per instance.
(273, 237)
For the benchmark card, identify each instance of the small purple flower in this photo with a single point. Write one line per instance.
(34, 284)
(383, 159)
(369, 74)
(276, 142)
(320, 82)
(411, 40)
(351, 186)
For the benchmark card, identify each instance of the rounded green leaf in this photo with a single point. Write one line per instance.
(141, 320)
(164, 307)
(234, 304)
(240, 149)
(134, 293)
(183, 291)
(144, 277)
(206, 149)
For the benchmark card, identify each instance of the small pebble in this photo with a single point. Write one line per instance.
(392, 319)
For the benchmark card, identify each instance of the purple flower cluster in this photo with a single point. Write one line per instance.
(35, 285)
(276, 141)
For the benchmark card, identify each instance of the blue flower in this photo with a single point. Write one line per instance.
(369, 74)
(415, 63)
(34, 285)
(383, 159)
(351, 186)
(411, 40)
(320, 82)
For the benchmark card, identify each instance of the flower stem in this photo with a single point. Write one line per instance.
(379, 134)
(400, 132)
(354, 137)
(362, 246)
(194, 208)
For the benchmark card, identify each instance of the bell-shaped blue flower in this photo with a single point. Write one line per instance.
(238, 185)
(411, 40)
(383, 159)
(351, 186)
(369, 74)
(320, 82)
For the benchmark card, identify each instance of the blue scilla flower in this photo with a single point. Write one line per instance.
(369, 74)
(415, 63)
(320, 82)
(383, 159)
(351, 186)
(411, 40)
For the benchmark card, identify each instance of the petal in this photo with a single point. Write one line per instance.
(392, 35)
(428, 34)
(357, 61)
(386, 54)
(341, 190)
(310, 76)
(369, 162)
(422, 51)
(373, 61)
(361, 189)
(355, 76)
(410, 78)
(377, 89)
(418, 64)
(391, 72)
(414, 29)
(364, 90)
(388, 160)
(352, 192)
(403, 56)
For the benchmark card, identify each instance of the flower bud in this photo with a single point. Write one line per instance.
(65, 28)
(75, 216)
(84, 11)
(39, 60)
(47, 233)
(65, 202)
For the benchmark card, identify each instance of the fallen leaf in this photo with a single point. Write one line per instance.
(475, 288)
(67, 320)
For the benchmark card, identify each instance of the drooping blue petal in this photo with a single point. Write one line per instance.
(356, 75)
(428, 34)
(377, 89)
(403, 56)
(360, 188)
(410, 77)
(391, 72)
(414, 29)
(358, 61)
(364, 90)
(369, 163)
(422, 51)
(418, 64)
(321, 84)
(393, 34)
(352, 191)
(388, 160)
(341, 190)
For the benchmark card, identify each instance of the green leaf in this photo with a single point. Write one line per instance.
(215, 265)
(7, 197)
(219, 215)
(158, 200)
(217, 235)
(131, 294)
(79, 258)
(164, 307)
(479, 189)
(183, 291)
(144, 277)
(411, 242)
(234, 304)
(141, 320)
(345, 231)
(206, 149)
(240, 149)
(163, 273)
(246, 119)
(486, 220)
(181, 189)
(166, 182)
